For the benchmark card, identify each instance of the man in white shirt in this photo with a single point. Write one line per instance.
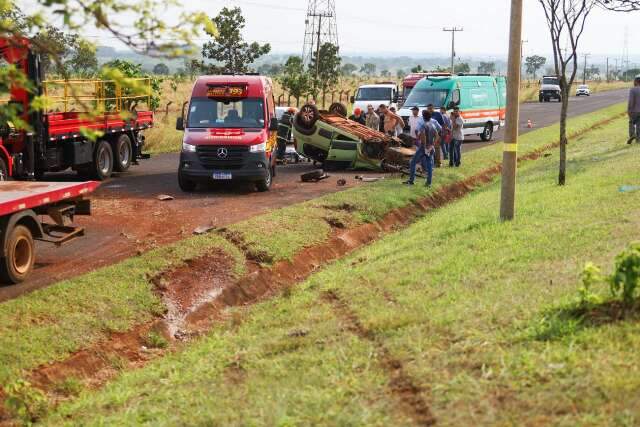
(457, 136)
(414, 121)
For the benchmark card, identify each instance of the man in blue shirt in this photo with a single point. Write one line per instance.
(438, 118)
(428, 136)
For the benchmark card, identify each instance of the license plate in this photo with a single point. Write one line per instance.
(222, 176)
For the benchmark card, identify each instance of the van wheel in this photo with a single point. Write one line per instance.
(123, 153)
(20, 257)
(265, 184)
(338, 108)
(102, 161)
(185, 184)
(307, 117)
(4, 170)
(487, 133)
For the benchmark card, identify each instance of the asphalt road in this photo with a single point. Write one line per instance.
(128, 219)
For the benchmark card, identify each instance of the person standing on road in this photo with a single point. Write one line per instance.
(372, 120)
(446, 131)
(414, 121)
(634, 111)
(357, 116)
(457, 138)
(391, 121)
(284, 132)
(428, 136)
(439, 118)
(399, 128)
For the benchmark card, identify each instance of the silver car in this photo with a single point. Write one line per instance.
(583, 90)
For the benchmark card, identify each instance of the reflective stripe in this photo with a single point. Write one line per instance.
(510, 148)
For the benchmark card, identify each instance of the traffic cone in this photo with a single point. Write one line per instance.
(529, 124)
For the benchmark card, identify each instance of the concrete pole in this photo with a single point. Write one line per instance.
(510, 150)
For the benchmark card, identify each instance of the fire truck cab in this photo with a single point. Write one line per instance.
(230, 129)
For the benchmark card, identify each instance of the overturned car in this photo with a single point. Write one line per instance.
(328, 137)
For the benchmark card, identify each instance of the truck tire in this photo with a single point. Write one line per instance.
(123, 153)
(4, 170)
(20, 257)
(265, 184)
(338, 108)
(307, 117)
(102, 161)
(186, 185)
(487, 132)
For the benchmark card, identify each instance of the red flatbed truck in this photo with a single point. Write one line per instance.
(22, 205)
(58, 139)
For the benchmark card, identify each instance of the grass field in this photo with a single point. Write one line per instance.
(33, 330)
(435, 322)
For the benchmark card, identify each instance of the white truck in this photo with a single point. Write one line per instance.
(376, 94)
(550, 89)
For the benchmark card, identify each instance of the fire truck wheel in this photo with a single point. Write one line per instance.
(20, 256)
(123, 152)
(265, 184)
(185, 184)
(338, 108)
(102, 161)
(4, 170)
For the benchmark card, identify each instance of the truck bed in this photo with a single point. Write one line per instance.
(19, 195)
(68, 125)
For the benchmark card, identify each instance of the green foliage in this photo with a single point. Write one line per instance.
(417, 69)
(229, 48)
(368, 69)
(347, 70)
(625, 279)
(156, 340)
(294, 79)
(70, 386)
(327, 70)
(487, 67)
(24, 402)
(462, 67)
(122, 71)
(591, 275)
(534, 63)
(161, 69)
(83, 61)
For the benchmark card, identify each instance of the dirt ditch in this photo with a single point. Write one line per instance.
(198, 293)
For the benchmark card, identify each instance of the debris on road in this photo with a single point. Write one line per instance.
(203, 229)
(369, 178)
(342, 182)
(629, 188)
(164, 197)
(314, 176)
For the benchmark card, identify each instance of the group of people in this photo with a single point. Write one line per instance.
(436, 134)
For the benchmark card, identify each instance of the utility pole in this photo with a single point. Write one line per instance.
(510, 145)
(584, 73)
(453, 32)
(608, 70)
(318, 39)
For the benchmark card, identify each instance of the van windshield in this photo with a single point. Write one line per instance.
(424, 97)
(549, 81)
(374, 94)
(210, 113)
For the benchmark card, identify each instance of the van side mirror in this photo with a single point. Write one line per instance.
(274, 124)
(180, 123)
(352, 99)
(395, 99)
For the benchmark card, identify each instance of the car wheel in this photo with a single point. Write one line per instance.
(185, 184)
(20, 257)
(102, 161)
(265, 184)
(123, 152)
(307, 117)
(487, 133)
(338, 108)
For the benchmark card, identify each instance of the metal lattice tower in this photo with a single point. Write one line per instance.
(321, 27)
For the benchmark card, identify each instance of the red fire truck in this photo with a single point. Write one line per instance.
(57, 138)
(22, 207)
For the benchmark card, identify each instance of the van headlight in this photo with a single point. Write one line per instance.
(188, 148)
(258, 148)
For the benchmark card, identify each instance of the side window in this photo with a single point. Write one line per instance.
(455, 97)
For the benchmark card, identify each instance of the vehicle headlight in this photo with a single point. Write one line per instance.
(188, 148)
(259, 148)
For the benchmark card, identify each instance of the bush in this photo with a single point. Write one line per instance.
(626, 276)
(24, 402)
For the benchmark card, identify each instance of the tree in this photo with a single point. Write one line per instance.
(192, 67)
(462, 67)
(327, 70)
(59, 47)
(295, 79)
(161, 69)
(229, 48)
(534, 63)
(417, 69)
(84, 61)
(487, 67)
(631, 74)
(120, 70)
(347, 70)
(400, 74)
(368, 69)
(566, 20)
(385, 73)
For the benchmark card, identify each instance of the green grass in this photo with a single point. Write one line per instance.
(50, 324)
(452, 297)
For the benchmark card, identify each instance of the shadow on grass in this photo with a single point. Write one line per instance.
(568, 320)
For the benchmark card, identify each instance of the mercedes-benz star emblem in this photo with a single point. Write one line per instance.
(222, 153)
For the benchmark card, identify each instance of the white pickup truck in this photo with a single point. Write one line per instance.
(376, 95)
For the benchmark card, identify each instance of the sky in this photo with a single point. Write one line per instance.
(414, 27)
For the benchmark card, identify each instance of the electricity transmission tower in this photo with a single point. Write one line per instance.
(321, 27)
